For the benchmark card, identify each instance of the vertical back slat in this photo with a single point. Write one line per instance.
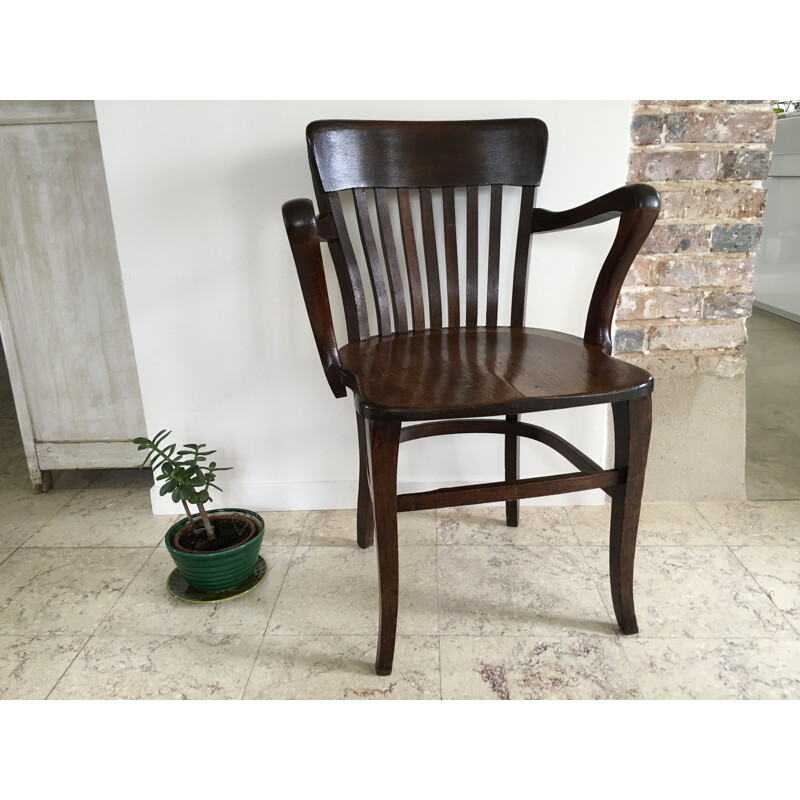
(373, 262)
(519, 290)
(412, 261)
(493, 274)
(389, 246)
(431, 258)
(348, 275)
(451, 256)
(472, 257)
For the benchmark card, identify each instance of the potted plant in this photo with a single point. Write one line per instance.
(215, 551)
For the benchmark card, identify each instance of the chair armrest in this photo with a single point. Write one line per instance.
(634, 197)
(304, 239)
(637, 207)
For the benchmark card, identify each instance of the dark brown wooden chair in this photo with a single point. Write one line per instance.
(439, 358)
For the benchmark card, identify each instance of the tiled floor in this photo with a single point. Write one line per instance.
(485, 612)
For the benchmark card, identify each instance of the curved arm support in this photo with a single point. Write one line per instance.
(633, 197)
(637, 207)
(304, 239)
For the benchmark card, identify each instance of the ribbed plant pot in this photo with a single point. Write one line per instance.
(223, 570)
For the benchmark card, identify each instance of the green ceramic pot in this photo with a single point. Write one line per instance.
(217, 572)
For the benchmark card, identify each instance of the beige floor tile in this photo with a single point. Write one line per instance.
(756, 523)
(694, 592)
(715, 669)
(338, 527)
(334, 590)
(518, 591)
(486, 525)
(22, 513)
(184, 667)
(14, 472)
(524, 668)
(100, 517)
(147, 607)
(777, 571)
(5, 552)
(342, 668)
(30, 666)
(282, 527)
(63, 590)
(659, 524)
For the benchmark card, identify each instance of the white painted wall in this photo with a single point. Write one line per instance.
(223, 347)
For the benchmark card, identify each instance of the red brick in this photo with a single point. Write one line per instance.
(744, 165)
(677, 336)
(659, 304)
(639, 273)
(738, 127)
(727, 305)
(685, 272)
(677, 239)
(705, 203)
(675, 165)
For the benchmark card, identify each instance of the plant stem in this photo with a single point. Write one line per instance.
(206, 521)
(189, 515)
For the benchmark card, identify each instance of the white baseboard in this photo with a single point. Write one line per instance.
(333, 495)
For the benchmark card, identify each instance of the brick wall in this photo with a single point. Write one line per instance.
(688, 294)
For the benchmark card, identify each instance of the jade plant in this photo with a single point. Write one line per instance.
(186, 478)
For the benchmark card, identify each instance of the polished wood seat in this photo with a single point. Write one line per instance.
(471, 372)
(417, 218)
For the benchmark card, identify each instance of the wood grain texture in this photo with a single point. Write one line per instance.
(451, 257)
(374, 265)
(350, 153)
(632, 424)
(472, 257)
(389, 247)
(431, 258)
(383, 447)
(63, 288)
(445, 380)
(470, 372)
(412, 260)
(44, 112)
(493, 270)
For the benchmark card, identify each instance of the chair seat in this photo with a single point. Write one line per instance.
(475, 372)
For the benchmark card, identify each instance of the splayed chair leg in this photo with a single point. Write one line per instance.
(512, 472)
(384, 440)
(365, 520)
(632, 422)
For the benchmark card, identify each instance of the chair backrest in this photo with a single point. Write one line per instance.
(414, 194)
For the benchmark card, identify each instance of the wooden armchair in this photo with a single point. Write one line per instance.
(431, 362)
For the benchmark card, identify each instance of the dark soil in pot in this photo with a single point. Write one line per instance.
(229, 531)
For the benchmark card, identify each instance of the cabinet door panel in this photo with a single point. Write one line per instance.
(62, 285)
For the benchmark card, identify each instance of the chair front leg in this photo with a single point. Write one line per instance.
(384, 441)
(632, 423)
(365, 520)
(512, 471)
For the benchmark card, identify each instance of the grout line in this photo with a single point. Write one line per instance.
(764, 590)
(272, 610)
(101, 621)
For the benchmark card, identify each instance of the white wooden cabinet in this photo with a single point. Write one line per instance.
(63, 318)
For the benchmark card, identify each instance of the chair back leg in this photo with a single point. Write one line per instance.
(384, 442)
(365, 519)
(632, 422)
(512, 471)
